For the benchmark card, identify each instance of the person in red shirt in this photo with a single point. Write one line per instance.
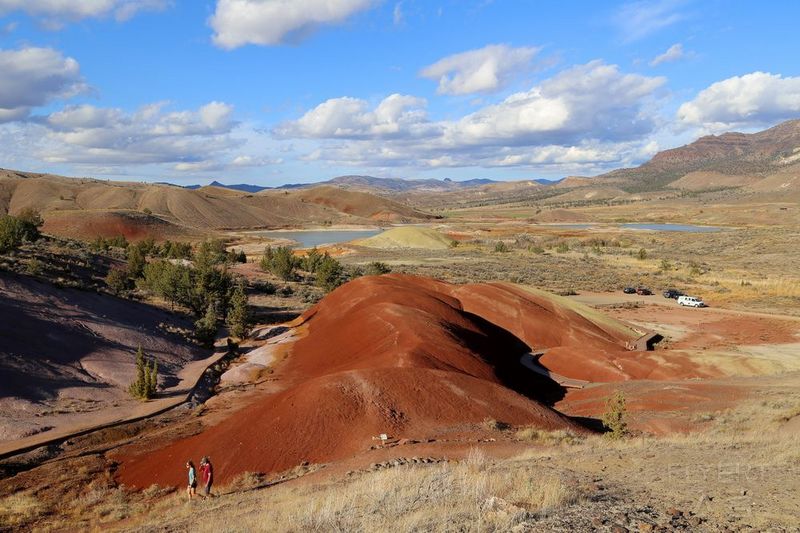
(207, 473)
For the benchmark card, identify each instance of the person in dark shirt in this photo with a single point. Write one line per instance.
(191, 490)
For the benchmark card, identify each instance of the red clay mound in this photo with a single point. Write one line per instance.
(390, 354)
(91, 224)
(576, 346)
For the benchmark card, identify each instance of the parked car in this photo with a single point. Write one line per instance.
(672, 293)
(629, 290)
(643, 291)
(691, 301)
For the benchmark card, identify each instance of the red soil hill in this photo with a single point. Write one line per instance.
(391, 354)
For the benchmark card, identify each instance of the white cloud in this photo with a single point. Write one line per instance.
(32, 77)
(585, 117)
(270, 22)
(55, 12)
(586, 101)
(484, 70)
(673, 53)
(351, 118)
(251, 161)
(192, 140)
(755, 99)
(640, 19)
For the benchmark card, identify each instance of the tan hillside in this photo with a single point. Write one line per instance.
(357, 203)
(590, 194)
(698, 181)
(573, 181)
(87, 207)
(785, 181)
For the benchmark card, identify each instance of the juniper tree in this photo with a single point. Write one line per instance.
(614, 416)
(238, 318)
(146, 383)
(205, 329)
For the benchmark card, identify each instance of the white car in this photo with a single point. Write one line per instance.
(690, 301)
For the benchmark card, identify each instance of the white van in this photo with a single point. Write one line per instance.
(690, 301)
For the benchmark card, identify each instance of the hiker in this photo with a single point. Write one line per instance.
(191, 490)
(208, 476)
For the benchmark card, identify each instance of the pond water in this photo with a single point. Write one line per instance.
(311, 238)
(688, 228)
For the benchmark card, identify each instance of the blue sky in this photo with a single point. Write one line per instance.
(277, 91)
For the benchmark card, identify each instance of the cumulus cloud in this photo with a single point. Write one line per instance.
(55, 12)
(640, 19)
(191, 140)
(484, 70)
(32, 77)
(593, 100)
(351, 118)
(582, 118)
(270, 22)
(673, 53)
(755, 99)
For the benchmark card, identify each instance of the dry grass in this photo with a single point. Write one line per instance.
(473, 495)
(548, 438)
(19, 509)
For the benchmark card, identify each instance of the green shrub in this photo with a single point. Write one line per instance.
(117, 280)
(280, 261)
(205, 329)
(211, 252)
(14, 230)
(614, 416)
(238, 318)
(136, 261)
(501, 247)
(562, 248)
(34, 267)
(174, 250)
(146, 383)
(642, 255)
(312, 260)
(376, 268)
(330, 273)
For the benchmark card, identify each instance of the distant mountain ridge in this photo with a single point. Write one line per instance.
(365, 182)
(243, 187)
(757, 154)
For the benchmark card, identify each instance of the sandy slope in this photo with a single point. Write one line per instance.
(407, 237)
(67, 353)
